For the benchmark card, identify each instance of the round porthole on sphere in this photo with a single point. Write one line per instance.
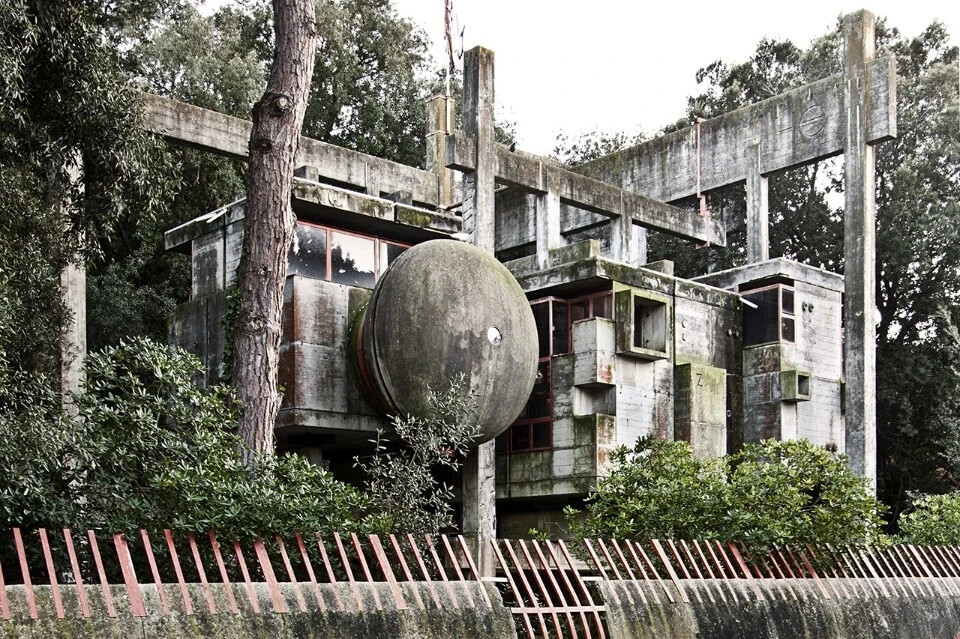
(494, 335)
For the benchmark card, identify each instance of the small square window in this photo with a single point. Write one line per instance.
(643, 324)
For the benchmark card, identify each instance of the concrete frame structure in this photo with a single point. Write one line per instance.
(648, 353)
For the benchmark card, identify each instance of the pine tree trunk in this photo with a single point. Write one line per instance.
(269, 222)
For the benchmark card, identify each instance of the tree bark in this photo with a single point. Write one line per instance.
(269, 223)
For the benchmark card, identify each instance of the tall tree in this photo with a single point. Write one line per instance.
(269, 221)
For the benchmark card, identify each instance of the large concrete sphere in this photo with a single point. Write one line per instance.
(443, 308)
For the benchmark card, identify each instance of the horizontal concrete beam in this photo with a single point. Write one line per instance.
(226, 135)
(532, 173)
(792, 129)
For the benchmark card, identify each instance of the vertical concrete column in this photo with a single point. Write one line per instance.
(479, 480)
(758, 215)
(859, 239)
(73, 289)
(628, 242)
(548, 224)
(478, 185)
(439, 124)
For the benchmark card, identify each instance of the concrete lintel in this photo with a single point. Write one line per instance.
(777, 267)
(795, 128)
(229, 136)
(529, 172)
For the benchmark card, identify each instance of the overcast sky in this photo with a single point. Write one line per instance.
(630, 65)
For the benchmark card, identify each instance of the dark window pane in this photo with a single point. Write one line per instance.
(308, 253)
(760, 323)
(787, 301)
(539, 403)
(520, 437)
(388, 253)
(787, 329)
(541, 435)
(561, 328)
(603, 306)
(542, 318)
(579, 310)
(351, 260)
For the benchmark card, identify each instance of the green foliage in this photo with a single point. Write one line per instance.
(770, 493)
(405, 492)
(933, 520)
(151, 449)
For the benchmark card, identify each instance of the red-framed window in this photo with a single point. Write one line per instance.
(343, 257)
(554, 317)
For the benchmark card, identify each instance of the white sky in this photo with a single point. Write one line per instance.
(628, 66)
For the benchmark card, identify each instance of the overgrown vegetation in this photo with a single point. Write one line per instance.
(402, 475)
(770, 493)
(932, 520)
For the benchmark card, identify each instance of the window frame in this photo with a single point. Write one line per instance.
(378, 243)
(780, 287)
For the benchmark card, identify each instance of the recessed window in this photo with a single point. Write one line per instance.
(353, 259)
(649, 324)
(768, 315)
(643, 328)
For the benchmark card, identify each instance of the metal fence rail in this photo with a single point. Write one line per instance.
(305, 562)
(552, 589)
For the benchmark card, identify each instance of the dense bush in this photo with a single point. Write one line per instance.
(932, 520)
(782, 493)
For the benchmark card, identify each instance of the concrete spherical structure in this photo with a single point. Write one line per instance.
(444, 308)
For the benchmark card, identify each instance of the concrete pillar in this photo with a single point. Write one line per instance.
(73, 289)
(758, 216)
(478, 186)
(439, 124)
(628, 242)
(548, 226)
(479, 480)
(859, 239)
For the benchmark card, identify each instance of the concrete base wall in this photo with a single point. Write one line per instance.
(461, 612)
(789, 609)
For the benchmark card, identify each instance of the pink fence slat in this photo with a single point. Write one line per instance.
(921, 559)
(867, 564)
(452, 557)
(609, 558)
(293, 578)
(366, 569)
(4, 605)
(891, 571)
(599, 564)
(251, 592)
(407, 574)
(653, 571)
(708, 565)
(906, 566)
(328, 566)
(551, 566)
(438, 564)
(51, 572)
(531, 596)
(738, 558)
(25, 571)
(581, 586)
(626, 564)
(857, 571)
(77, 578)
(129, 576)
(940, 568)
(310, 574)
(544, 593)
(808, 566)
(279, 606)
(640, 566)
(473, 567)
(148, 549)
(105, 587)
(524, 611)
(181, 583)
(728, 566)
(207, 593)
(662, 555)
(696, 571)
(346, 567)
(571, 590)
(546, 569)
(224, 577)
(387, 571)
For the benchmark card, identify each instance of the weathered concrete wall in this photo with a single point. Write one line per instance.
(461, 612)
(791, 609)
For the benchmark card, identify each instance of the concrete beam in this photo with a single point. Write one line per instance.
(225, 135)
(758, 212)
(532, 173)
(792, 129)
(859, 246)
(439, 124)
